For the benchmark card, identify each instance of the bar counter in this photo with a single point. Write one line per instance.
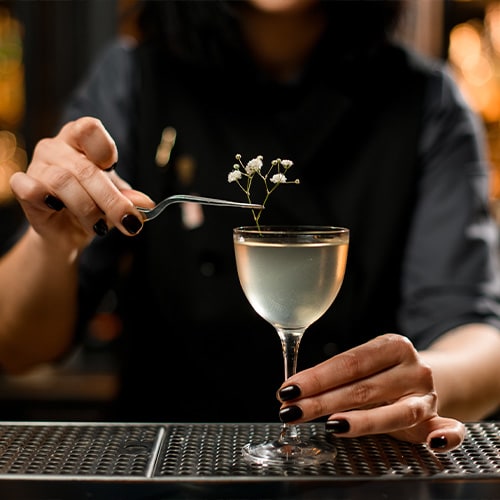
(125, 461)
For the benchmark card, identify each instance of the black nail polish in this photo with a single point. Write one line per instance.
(53, 202)
(131, 223)
(438, 443)
(288, 393)
(337, 426)
(290, 413)
(110, 169)
(100, 227)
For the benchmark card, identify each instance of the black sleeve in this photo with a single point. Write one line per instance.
(451, 273)
(107, 94)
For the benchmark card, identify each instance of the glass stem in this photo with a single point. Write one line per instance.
(290, 341)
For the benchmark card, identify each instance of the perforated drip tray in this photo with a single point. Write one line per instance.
(205, 459)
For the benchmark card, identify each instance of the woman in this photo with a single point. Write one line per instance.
(382, 143)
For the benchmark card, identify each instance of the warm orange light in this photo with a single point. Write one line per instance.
(474, 54)
(465, 45)
(11, 71)
(12, 159)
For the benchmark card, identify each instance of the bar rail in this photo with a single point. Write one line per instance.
(88, 460)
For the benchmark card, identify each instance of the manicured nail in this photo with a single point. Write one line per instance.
(131, 223)
(53, 202)
(290, 413)
(110, 169)
(438, 443)
(100, 227)
(289, 392)
(337, 426)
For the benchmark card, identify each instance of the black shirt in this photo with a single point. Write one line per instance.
(384, 146)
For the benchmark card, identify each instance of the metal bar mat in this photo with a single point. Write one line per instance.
(187, 452)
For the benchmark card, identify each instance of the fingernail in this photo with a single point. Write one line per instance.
(53, 202)
(110, 169)
(337, 426)
(290, 413)
(100, 227)
(289, 392)
(131, 223)
(438, 443)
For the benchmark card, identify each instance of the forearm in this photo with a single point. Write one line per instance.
(38, 303)
(466, 367)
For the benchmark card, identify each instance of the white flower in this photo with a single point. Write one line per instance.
(233, 176)
(254, 165)
(278, 178)
(246, 175)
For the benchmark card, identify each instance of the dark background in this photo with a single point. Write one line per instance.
(62, 37)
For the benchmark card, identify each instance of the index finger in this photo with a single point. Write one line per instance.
(375, 356)
(88, 136)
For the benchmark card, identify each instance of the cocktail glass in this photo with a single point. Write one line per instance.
(290, 275)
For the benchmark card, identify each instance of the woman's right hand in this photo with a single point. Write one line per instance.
(70, 190)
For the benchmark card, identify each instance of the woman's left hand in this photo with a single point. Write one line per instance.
(382, 386)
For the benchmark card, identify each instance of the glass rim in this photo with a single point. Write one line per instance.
(295, 229)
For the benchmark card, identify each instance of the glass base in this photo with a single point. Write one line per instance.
(299, 453)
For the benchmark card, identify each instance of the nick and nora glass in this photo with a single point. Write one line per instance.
(290, 275)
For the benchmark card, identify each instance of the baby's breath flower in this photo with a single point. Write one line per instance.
(233, 176)
(254, 169)
(254, 166)
(278, 179)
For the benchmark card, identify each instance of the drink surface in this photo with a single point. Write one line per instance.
(291, 285)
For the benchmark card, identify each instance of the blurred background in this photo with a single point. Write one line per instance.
(46, 46)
